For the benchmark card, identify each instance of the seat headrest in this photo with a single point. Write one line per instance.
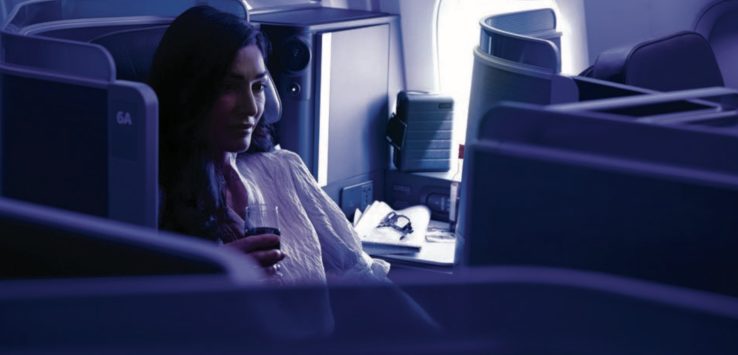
(133, 53)
(679, 61)
(132, 50)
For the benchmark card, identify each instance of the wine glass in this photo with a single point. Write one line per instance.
(263, 219)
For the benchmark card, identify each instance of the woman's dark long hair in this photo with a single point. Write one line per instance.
(187, 72)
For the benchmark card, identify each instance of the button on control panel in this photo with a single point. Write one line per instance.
(438, 202)
(294, 89)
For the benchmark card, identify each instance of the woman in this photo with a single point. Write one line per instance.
(217, 156)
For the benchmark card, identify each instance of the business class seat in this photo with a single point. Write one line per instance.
(40, 242)
(6, 7)
(132, 50)
(83, 20)
(524, 38)
(518, 59)
(717, 23)
(593, 191)
(506, 310)
(680, 61)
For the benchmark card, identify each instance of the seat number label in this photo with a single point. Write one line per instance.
(123, 118)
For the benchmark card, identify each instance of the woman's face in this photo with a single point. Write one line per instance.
(240, 103)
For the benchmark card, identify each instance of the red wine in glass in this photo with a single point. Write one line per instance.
(261, 219)
(261, 230)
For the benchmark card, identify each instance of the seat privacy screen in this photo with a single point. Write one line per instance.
(54, 142)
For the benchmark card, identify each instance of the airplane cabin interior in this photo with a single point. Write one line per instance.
(538, 176)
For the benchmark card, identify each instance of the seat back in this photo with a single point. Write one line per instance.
(98, 135)
(6, 7)
(79, 18)
(132, 50)
(590, 191)
(494, 310)
(717, 23)
(40, 242)
(517, 60)
(680, 61)
(526, 37)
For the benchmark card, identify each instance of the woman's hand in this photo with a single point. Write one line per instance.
(264, 248)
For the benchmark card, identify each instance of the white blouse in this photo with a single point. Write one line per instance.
(319, 241)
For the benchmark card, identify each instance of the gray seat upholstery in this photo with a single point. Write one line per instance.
(680, 61)
(717, 23)
(526, 37)
(133, 50)
(516, 60)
